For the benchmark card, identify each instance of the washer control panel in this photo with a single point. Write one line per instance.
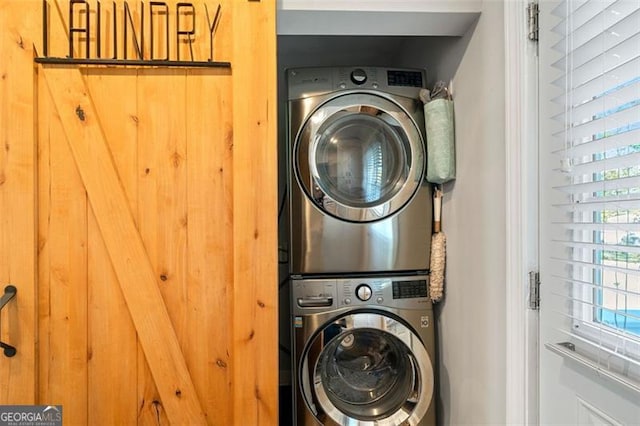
(394, 289)
(325, 294)
(395, 292)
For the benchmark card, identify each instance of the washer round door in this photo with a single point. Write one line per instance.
(359, 157)
(366, 369)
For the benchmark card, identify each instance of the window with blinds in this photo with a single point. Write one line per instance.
(596, 212)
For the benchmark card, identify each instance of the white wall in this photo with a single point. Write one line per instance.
(471, 329)
(471, 323)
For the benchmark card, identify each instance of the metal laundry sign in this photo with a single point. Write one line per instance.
(154, 33)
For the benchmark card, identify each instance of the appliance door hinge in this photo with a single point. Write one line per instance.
(532, 18)
(534, 290)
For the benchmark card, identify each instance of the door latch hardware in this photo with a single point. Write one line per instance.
(9, 292)
(568, 345)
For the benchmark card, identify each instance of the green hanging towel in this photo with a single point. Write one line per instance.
(441, 155)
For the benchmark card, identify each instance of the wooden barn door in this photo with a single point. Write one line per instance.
(139, 228)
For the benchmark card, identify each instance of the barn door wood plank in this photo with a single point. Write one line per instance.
(210, 227)
(161, 210)
(124, 244)
(62, 261)
(255, 212)
(113, 344)
(17, 200)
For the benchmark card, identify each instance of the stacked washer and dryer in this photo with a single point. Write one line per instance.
(360, 230)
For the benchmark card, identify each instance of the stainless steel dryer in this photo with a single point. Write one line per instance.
(357, 162)
(363, 352)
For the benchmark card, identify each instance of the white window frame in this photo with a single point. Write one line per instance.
(521, 230)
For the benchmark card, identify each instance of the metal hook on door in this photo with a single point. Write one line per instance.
(9, 292)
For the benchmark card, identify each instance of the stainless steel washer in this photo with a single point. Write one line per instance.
(356, 152)
(363, 351)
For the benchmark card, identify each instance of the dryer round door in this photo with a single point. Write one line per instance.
(360, 157)
(366, 369)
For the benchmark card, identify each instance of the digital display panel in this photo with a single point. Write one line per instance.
(409, 289)
(404, 78)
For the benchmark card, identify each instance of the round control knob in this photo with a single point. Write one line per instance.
(358, 76)
(363, 292)
(379, 300)
(347, 301)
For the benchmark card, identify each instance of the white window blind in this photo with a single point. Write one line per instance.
(596, 207)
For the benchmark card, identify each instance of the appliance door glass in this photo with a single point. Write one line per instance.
(360, 157)
(367, 367)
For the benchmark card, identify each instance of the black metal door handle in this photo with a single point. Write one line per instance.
(9, 292)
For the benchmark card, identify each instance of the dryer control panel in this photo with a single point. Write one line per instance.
(306, 82)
